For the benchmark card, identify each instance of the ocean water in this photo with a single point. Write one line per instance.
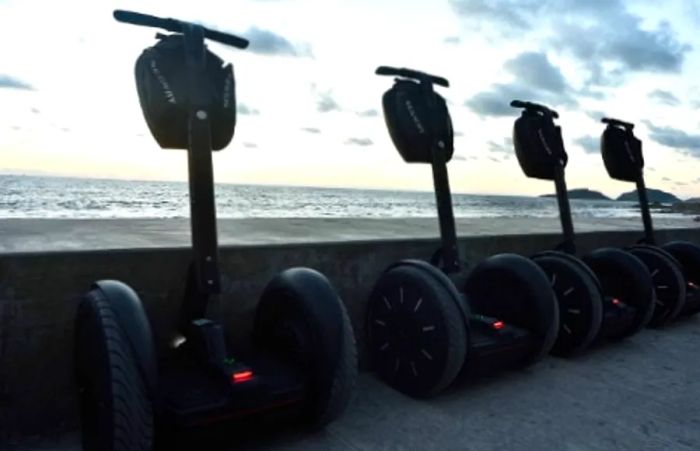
(56, 197)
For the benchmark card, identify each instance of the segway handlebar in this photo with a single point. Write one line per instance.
(534, 107)
(414, 74)
(626, 125)
(177, 26)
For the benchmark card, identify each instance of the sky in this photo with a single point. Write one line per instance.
(309, 103)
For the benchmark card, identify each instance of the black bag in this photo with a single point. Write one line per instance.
(622, 154)
(538, 145)
(162, 84)
(408, 120)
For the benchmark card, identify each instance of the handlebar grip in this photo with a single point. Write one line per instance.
(226, 38)
(535, 107)
(611, 121)
(386, 70)
(414, 74)
(519, 104)
(146, 20)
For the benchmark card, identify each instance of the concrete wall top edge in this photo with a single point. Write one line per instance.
(321, 244)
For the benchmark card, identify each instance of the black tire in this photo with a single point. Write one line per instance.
(301, 318)
(688, 255)
(625, 277)
(580, 301)
(514, 289)
(417, 332)
(668, 280)
(579, 263)
(116, 409)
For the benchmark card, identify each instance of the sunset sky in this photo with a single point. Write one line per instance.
(310, 104)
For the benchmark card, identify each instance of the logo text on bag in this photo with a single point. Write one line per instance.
(414, 116)
(169, 95)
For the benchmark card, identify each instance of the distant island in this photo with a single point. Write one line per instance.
(582, 193)
(654, 195)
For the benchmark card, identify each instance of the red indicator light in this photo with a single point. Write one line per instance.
(242, 376)
(498, 325)
(616, 301)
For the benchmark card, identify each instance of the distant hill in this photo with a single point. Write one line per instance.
(654, 195)
(583, 193)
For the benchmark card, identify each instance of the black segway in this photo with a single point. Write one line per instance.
(606, 294)
(675, 266)
(426, 324)
(303, 360)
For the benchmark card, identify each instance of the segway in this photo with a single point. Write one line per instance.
(426, 324)
(675, 266)
(303, 360)
(608, 294)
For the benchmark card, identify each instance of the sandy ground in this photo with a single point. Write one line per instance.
(26, 235)
(639, 395)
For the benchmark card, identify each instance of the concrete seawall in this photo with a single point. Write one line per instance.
(39, 292)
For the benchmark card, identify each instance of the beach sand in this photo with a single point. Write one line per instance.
(634, 396)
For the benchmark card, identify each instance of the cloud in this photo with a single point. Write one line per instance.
(249, 145)
(326, 103)
(368, 113)
(595, 115)
(363, 142)
(619, 39)
(537, 72)
(496, 102)
(664, 97)
(511, 13)
(243, 108)
(459, 157)
(505, 147)
(457, 134)
(266, 42)
(687, 143)
(538, 80)
(452, 40)
(35, 110)
(313, 130)
(7, 81)
(666, 179)
(607, 39)
(590, 144)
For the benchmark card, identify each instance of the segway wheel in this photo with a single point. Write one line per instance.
(668, 282)
(580, 301)
(301, 319)
(688, 255)
(115, 410)
(515, 290)
(626, 278)
(417, 332)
